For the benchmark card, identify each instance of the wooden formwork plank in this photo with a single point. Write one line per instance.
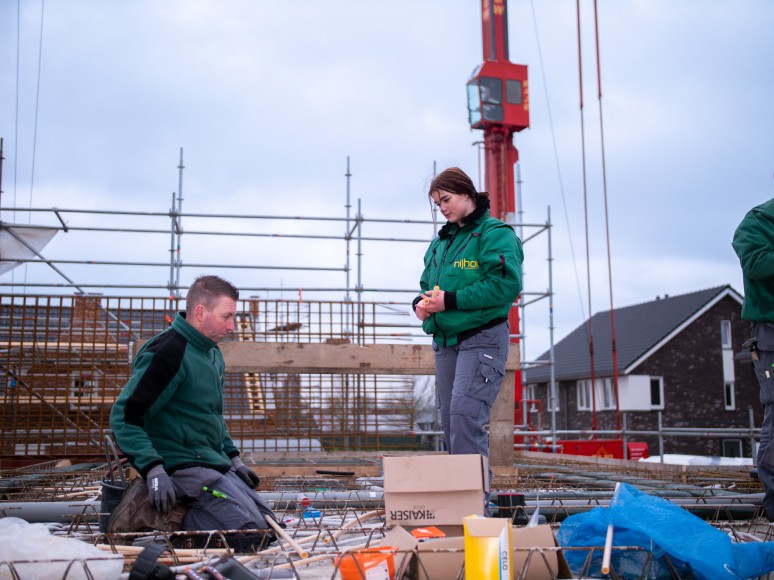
(501, 421)
(323, 358)
(329, 358)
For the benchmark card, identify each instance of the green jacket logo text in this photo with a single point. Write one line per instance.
(466, 264)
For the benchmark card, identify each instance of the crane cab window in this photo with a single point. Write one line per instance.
(491, 98)
(485, 99)
(513, 93)
(474, 103)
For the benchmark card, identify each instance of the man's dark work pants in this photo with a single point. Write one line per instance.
(227, 504)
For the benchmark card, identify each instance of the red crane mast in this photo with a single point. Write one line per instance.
(498, 104)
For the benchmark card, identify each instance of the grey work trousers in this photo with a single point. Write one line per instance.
(468, 377)
(764, 370)
(241, 508)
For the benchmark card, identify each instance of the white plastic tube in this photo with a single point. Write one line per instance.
(609, 538)
(608, 549)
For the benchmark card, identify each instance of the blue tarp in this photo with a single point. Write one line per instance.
(695, 548)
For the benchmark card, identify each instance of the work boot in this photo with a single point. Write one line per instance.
(136, 514)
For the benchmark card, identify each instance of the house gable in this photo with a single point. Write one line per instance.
(727, 291)
(640, 331)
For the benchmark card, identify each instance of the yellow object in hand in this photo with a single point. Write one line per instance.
(435, 293)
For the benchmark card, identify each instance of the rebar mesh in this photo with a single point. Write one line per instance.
(64, 360)
(329, 514)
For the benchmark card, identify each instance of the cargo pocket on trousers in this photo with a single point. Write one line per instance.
(488, 379)
(765, 373)
(466, 406)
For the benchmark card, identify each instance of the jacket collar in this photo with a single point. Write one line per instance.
(181, 325)
(471, 221)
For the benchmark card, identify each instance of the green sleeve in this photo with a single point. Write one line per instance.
(754, 244)
(138, 400)
(426, 281)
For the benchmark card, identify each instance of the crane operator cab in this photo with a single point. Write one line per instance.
(498, 96)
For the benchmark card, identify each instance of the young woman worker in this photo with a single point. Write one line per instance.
(471, 279)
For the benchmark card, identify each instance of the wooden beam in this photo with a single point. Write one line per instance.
(298, 357)
(322, 358)
(501, 421)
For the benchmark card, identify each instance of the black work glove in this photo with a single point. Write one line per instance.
(161, 492)
(245, 473)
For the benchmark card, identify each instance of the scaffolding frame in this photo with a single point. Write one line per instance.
(375, 326)
(353, 234)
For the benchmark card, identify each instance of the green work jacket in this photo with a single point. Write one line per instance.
(171, 410)
(478, 266)
(754, 244)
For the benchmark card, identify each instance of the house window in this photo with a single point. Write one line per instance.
(531, 394)
(608, 393)
(584, 395)
(656, 392)
(732, 448)
(530, 398)
(725, 333)
(729, 397)
(83, 387)
(83, 390)
(550, 405)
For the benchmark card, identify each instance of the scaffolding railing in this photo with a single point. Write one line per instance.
(542, 440)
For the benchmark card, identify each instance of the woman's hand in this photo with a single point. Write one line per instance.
(420, 310)
(432, 302)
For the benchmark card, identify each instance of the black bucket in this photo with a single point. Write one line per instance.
(112, 494)
(113, 488)
(513, 507)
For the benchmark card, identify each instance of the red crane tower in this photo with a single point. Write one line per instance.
(498, 103)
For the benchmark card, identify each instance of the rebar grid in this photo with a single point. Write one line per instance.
(51, 481)
(328, 526)
(64, 359)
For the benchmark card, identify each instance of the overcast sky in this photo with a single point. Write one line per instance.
(268, 99)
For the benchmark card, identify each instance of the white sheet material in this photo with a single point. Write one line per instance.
(49, 556)
(12, 249)
(677, 459)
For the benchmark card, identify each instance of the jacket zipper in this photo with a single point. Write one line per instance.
(465, 245)
(443, 258)
(438, 277)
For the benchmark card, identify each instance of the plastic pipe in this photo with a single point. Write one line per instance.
(609, 537)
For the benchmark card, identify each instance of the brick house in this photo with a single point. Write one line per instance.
(680, 355)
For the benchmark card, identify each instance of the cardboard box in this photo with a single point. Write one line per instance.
(437, 559)
(444, 559)
(542, 565)
(421, 490)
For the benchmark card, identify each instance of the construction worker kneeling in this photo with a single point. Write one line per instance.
(168, 421)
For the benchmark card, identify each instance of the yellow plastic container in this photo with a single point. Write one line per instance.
(487, 548)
